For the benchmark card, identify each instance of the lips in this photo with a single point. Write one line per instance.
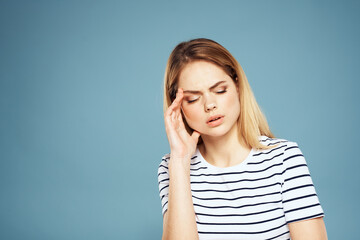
(214, 118)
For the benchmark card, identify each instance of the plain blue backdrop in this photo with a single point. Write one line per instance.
(81, 121)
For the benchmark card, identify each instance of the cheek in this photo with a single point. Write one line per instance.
(192, 115)
(233, 102)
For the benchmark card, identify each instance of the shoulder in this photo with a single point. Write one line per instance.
(267, 141)
(282, 146)
(288, 155)
(291, 157)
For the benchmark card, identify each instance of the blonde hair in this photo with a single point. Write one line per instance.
(251, 122)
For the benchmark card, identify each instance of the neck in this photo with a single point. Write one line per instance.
(224, 151)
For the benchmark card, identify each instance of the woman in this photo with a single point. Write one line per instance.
(227, 176)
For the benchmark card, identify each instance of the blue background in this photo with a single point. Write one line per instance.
(81, 127)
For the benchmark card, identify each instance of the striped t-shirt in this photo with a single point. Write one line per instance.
(255, 199)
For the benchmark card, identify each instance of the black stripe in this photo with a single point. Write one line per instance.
(286, 149)
(279, 236)
(266, 139)
(243, 223)
(166, 159)
(303, 175)
(232, 199)
(198, 168)
(235, 189)
(164, 204)
(258, 154)
(238, 215)
(242, 180)
(162, 197)
(248, 205)
(230, 173)
(166, 179)
(276, 143)
(271, 229)
(308, 217)
(302, 186)
(165, 211)
(296, 155)
(163, 188)
(163, 166)
(297, 198)
(300, 208)
(195, 163)
(296, 166)
(162, 173)
(253, 163)
(190, 169)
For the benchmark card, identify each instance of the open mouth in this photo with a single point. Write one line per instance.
(215, 119)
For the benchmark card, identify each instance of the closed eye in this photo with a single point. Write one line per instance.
(191, 101)
(218, 92)
(222, 91)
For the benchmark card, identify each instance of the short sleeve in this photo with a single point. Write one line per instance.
(163, 179)
(299, 197)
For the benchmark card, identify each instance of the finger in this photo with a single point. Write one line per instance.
(181, 121)
(173, 117)
(179, 94)
(176, 103)
(195, 136)
(171, 132)
(172, 122)
(184, 134)
(179, 98)
(170, 110)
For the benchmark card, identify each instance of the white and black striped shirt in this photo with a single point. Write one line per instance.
(255, 199)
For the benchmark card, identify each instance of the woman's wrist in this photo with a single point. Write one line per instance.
(179, 165)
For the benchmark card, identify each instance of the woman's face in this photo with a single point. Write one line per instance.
(211, 102)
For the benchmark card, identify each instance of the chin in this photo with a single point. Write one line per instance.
(215, 132)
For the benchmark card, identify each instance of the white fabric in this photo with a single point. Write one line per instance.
(255, 199)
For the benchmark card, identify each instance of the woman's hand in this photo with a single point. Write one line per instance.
(179, 219)
(182, 145)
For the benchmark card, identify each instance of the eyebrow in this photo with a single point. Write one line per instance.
(210, 88)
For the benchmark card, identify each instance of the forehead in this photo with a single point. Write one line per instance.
(201, 75)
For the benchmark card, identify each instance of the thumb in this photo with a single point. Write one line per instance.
(195, 136)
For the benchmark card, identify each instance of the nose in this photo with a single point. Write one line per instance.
(210, 106)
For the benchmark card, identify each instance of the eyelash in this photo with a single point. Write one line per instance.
(219, 92)
(191, 101)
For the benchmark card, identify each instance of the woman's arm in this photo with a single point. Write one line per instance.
(179, 219)
(312, 229)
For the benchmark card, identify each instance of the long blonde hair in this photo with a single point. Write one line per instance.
(251, 122)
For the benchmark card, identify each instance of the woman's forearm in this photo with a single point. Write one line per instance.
(179, 220)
